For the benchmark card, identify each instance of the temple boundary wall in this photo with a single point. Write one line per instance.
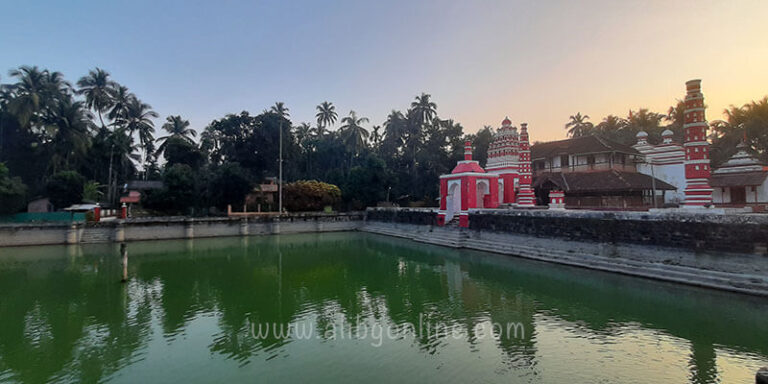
(677, 247)
(164, 228)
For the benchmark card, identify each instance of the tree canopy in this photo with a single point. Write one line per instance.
(98, 134)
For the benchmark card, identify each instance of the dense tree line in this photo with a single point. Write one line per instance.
(85, 140)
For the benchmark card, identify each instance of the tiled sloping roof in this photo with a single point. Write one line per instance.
(737, 179)
(611, 180)
(579, 145)
(144, 184)
(468, 166)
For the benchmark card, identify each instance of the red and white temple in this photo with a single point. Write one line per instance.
(469, 186)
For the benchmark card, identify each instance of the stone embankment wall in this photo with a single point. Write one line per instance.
(174, 228)
(732, 233)
(724, 252)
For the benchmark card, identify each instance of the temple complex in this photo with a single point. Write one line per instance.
(591, 172)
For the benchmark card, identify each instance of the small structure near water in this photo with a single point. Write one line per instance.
(467, 186)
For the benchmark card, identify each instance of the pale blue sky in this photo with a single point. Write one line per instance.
(536, 61)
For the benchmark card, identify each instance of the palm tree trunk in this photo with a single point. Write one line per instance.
(102, 120)
(280, 171)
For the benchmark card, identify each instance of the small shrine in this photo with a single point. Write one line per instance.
(468, 186)
(506, 181)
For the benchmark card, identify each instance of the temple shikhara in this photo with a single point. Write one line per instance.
(591, 172)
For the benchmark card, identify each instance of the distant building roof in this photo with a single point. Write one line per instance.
(272, 187)
(737, 179)
(133, 197)
(144, 184)
(81, 207)
(611, 180)
(577, 146)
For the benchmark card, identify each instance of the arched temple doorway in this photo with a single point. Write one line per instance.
(453, 200)
(483, 192)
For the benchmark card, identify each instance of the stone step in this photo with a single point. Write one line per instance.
(693, 276)
(669, 272)
(96, 235)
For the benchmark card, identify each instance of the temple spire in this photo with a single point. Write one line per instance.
(698, 193)
(526, 197)
(467, 150)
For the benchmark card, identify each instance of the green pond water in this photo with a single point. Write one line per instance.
(354, 307)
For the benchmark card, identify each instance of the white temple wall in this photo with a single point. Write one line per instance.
(673, 174)
(762, 192)
(751, 194)
(721, 195)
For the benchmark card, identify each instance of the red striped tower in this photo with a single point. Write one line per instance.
(525, 199)
(698, 193)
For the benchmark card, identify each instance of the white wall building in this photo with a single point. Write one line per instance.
(665, 162)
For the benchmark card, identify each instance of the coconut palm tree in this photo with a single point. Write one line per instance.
(280, 109)
(579, 126)
(353, 134)
(56, 87)
(376, 136)
(96, 88)
(425, 110)
(68, 123)
(394, 127)
(176, 127)
(121, 97)
(137, 118)
(610, 125)
(28, 96)
(747, 124)
(326, 115)
(303, 134)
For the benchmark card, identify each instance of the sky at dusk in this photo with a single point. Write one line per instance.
(535, 61)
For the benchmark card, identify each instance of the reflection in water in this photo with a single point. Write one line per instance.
(186, 309)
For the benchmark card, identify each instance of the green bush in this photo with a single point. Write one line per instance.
(65, 188)
(179, 192)
(229, 185)
(12, 192)
(310, 195)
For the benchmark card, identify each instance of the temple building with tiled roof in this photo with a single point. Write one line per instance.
(595, 173)
(740, 181)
